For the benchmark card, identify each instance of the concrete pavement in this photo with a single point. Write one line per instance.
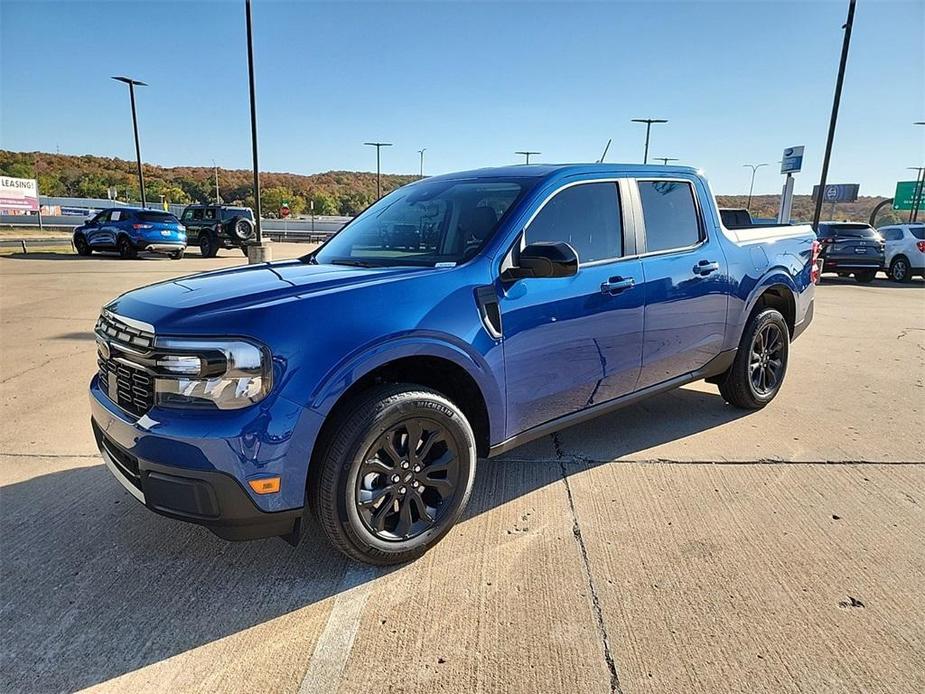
(614, 556)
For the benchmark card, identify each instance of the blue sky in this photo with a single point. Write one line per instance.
(472, 82)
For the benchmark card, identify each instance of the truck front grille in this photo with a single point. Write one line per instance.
(122, 377)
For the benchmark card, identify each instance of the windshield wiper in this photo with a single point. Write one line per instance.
(351, 262)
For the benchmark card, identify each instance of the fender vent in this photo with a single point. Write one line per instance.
(487, 300)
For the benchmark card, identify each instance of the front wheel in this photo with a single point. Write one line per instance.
(899, 270)
(866, 276)
(81, 246)
(393, 474)
(757, 373)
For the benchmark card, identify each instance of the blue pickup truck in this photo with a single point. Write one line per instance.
(456, 318)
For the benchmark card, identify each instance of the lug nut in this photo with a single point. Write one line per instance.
(402, 490)
(417, 468)
(404, 465)
(415, 484)
(395, 479)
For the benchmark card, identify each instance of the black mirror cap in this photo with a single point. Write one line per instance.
(545, 259)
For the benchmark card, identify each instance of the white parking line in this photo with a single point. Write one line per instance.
(333, 648)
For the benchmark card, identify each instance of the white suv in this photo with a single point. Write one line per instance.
(905, 251)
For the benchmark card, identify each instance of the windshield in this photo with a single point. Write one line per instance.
(848, 231)
(426, 223)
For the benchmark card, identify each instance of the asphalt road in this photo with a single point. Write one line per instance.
(676, 546)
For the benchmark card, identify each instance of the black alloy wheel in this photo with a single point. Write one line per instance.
(766, 360)
(126, 249)
(82, 247)
(407, 480)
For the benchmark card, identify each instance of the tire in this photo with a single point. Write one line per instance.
(739, 387)
(207, 246)
(899, 269)
(242, 228)
(357, 477)
(177, 255)
(865, 277)
(81, 246)
(127, 250)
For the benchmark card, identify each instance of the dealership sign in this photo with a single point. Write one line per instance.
(19, 194)
(838, 192)
(792, 161)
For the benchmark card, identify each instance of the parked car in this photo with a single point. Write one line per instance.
(361, 382)
(850, 248)
(904, 254)
(131, 230)
(212, 227)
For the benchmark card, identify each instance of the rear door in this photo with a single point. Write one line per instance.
(855, 242)
(686, 287)
(574, 342)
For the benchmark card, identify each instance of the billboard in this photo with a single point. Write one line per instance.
(792, 161)
(19, 194)
(905, 195)
(838, 192)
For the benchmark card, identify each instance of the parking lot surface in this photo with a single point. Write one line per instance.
(678, 545)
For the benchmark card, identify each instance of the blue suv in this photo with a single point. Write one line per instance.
(456, 318)
(130, 230)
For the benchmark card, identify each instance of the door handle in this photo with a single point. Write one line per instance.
(616, 285)
(705, 267)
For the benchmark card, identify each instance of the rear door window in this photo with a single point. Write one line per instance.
(197, 214)
(670, 213)
(209, 215)
(918, 232)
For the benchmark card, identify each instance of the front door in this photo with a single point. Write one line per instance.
(571, 343)
(686, 285)
(96, 234)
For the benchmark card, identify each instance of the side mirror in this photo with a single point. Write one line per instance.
(544, 259)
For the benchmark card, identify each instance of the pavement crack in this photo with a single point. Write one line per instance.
(583, 550)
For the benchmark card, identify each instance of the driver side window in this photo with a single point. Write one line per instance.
(585, 216)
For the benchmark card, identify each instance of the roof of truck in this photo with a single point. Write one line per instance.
(544, 170)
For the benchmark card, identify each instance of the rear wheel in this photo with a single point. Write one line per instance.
(207, 246)
(393, 475)
(176, 255)
(866, 276)
(81, 246)
(126, 248)
(760, 365)
(899, 270)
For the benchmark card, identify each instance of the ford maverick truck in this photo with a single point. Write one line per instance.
(456, 318)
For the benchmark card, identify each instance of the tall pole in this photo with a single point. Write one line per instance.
(250, 73)
(835, 103)
(131, 91)
(917, 193)
(648, 122)
(527, 155)
(751, 188)
(421, 152)
(218, 198)
(379, 146)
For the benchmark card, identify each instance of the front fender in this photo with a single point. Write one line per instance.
(418, 344)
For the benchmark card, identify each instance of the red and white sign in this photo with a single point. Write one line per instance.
(284, 211)
(19, 194)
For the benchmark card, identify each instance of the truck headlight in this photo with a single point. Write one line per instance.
(222, 374)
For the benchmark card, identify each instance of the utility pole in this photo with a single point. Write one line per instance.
(751, 188)
(665, 160)
(835, 103)
(263, 253)
(421, 152)
(131, 91)
(527, 155)
(648, 122)
(379, 146)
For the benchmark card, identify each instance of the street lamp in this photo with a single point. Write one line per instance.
(131, 91)
(378, 146)
(253, 98)
(754, 168)
(665, 160)
(648, 122)
(421, 152)
(917, 192)
(527, 155)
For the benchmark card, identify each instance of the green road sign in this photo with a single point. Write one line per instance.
(903, 198)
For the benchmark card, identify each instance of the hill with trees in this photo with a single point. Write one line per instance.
(333, 192)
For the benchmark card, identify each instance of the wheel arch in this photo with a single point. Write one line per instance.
(777, 292)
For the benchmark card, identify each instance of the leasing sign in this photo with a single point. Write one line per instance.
(19, 194)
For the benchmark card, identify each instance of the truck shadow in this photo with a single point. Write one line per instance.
(95, 586)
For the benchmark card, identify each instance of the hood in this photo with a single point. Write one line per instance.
(197, 297)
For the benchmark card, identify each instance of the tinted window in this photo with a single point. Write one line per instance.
(197, 214)
(187, 214)
(587, 217)
(854, 231)
(670, 215)
(101, 217)
(162, 217)
(891, 234)
(232, 212)
(209, 214)
(918, 232)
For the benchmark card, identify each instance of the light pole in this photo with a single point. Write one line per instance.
(917, 193)
(131, 92)
(839, 81)
(648, 122)
(527, 155)
(421, 152)
(665, 160)
(754, 168)
(379, 146)
(218, 198)
(250, 75)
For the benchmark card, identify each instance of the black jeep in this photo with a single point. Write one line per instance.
(218, 226)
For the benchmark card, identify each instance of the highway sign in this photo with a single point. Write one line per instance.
(838, 192)
(792, 161)
(904, 196)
